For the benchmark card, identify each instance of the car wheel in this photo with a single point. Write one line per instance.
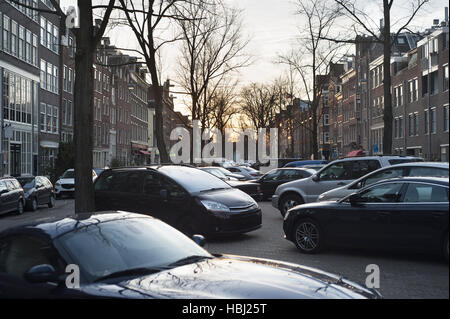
(307, 236)
(51, 201)
(289, 201)
(20, 207)
(34, 205)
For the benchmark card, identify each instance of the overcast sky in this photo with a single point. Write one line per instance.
(273, 26)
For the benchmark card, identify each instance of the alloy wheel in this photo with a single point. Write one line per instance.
(307, 236)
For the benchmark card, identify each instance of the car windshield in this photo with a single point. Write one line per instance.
(69, 174)
(27, 182)
(192, 179)
(216, 172)
(250, 170)
(121, 245)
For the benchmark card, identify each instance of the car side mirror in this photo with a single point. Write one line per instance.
(355, 198)
(199, 240)
(41, 274)
(164, 193)
(315, 178)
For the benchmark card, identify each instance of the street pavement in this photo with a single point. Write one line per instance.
(402, 275)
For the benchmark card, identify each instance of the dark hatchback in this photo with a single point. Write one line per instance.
(185, 197)
(12, 197)
(123, 255)
(408, 213)
(38, 190)
(271, 180)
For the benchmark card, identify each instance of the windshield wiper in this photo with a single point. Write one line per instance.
(189, 260)
(131, 272)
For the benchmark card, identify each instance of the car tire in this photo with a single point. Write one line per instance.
(34, 205)
(308, 236)
(19, 207)
(445, 247)
(51, 201)
(288, 201)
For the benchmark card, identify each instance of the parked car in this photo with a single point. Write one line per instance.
(216, 171)
(248, 172)
(237, 176)
(124, 255)
(274, 178)
(316, 167)
(12, 197)
(65, 185)
(306, 162)
(38, 190)
(251, 188)
(336, 174)
(185, 197)
(409, 213)
(400, 170)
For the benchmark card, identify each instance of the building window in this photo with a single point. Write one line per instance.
(17, 99)
(445, 78)
(49, 118)
(6, 34)
(413, 90)
(49, 35)
(433, 120)
(446, 118)
(49, 77)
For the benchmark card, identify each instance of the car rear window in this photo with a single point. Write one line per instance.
(404, 160)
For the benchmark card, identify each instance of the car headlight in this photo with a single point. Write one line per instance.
(57, 184)
(215, 207)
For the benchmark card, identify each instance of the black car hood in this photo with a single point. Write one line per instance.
(231, 197)
(237, 278)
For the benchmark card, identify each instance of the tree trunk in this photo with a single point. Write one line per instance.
(159, 131)
(83, 116)
(387, 114)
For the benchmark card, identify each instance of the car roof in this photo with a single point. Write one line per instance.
(423, 164)
(442, 181)
(357, 158)
(59, 227)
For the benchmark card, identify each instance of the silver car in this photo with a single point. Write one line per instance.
(335, 174)
(401, 170)
(248, 172)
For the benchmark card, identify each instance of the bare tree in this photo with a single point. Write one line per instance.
(88, 38)
(213, 48)
(311, 59)
(257, 104)
(148, 19)
(362, 22)
(222, 107)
